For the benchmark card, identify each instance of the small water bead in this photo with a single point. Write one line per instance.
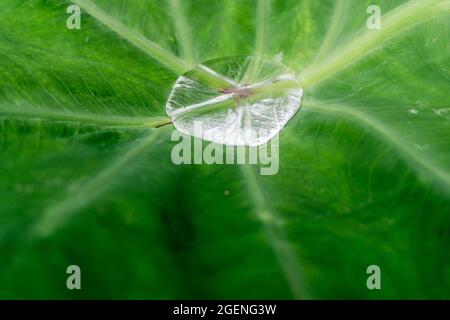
(236, 101)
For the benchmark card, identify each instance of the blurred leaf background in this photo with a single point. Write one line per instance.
(86, 176)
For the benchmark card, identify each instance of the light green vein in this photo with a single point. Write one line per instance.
(418, 160)
(392, 23)
(154, 50)
(84, 118)
(262, 22)
(62, 210)
(283, 250)
(284, 253)
(183, 32)
(333, 29)
(442, 8)
(177, 65)
(262, 17)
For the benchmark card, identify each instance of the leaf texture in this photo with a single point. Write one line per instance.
(87, 176)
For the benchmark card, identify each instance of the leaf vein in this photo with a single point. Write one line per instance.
(378, 127)
(58, 213)
(160, 54)
(283, 250)
(394, 22)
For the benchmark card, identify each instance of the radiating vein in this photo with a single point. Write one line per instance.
(395, 21)
(285, 254)
(84, 118)
(262, 21)
(333, 30)
(55, 215)
(160, 54)
(183, 32)
(419, 160)
(177, 65)
(443, 7)
(261, 26)
(275, 235)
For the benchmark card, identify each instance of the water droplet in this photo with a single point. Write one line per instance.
(235, 101)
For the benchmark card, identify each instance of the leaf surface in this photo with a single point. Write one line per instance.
(87, 176)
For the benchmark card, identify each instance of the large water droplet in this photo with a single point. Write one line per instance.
(235, 101)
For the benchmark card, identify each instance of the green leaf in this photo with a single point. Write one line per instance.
(85, 153)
